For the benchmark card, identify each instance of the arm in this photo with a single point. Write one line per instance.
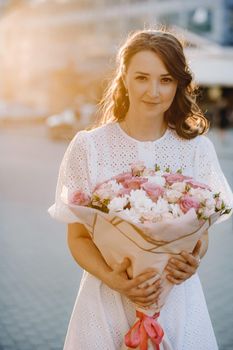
(81, 246)
(87, 255)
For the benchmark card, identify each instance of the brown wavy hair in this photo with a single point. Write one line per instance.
(184, 115)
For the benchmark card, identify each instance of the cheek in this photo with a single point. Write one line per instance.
(169, 93)
(136, 90)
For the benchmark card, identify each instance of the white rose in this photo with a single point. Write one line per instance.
(173, 196)
(201, 194)
(178, 186)
(158, 180)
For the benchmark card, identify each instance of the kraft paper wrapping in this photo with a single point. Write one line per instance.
(146, 245)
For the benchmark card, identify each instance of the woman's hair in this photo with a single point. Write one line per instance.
(184, 115)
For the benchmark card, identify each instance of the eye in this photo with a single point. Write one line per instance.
(166, 80)
(141, 78)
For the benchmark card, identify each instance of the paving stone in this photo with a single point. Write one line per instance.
(39, 279)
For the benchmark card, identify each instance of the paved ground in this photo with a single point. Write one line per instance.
(39, 279)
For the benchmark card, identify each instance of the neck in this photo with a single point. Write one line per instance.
(143, 129)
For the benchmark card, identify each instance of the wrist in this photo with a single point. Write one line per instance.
(106, 276)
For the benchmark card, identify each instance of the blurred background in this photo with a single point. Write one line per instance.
(55, 59)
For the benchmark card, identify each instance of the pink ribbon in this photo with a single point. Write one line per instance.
(145, 328)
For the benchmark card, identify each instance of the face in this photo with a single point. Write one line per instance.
(151, 88)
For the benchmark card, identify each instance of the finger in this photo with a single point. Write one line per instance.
(192, 260)
(150, 298)
(181, 266)
(144, 292)
(135, 282)
(179, 274)
(122, 266)
(174, 280)
(178, 258)
(143, 305)
(197, 248)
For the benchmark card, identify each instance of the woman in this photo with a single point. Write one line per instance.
(148, 113)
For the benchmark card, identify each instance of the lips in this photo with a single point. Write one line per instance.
(151, 103)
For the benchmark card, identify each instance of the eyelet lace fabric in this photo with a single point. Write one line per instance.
(102, 316)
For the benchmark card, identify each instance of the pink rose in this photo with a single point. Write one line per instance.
(153, 191)
(137, 168)
(104, 191)
(100, 184)
(122, 177)
(195, 184)
(148, 172)
(187, 202)
(134, 183)
(123, 192)
(171, 178)
(79, 198)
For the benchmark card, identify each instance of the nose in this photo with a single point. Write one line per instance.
(153, 90)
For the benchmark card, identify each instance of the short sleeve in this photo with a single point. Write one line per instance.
(73, 175)
(208, 170)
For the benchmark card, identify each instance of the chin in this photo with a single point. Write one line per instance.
(153, 114)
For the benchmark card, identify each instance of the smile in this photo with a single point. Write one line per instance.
(151, 103)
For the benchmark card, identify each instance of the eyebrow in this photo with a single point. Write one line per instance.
(162, 75)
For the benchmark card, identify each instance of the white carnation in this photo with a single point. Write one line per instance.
(161, 206)
(132, 214)
(148, 216)
(167, 216)
(176, 211)
(115, 186)
(139, 200)
(117, 204)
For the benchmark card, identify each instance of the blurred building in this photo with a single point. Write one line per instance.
(56, 53)
(212, 19)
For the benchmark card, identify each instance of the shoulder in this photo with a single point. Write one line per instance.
(87, 140)
(98, 132)
(200, 141)
(205, 145)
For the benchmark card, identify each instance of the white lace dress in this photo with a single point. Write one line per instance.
(102, 316)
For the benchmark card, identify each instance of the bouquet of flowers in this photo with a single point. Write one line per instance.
(147, 215)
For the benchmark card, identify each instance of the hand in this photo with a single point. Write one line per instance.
(182, 269)
(142, 296)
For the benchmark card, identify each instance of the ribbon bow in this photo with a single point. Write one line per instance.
(145, 328)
